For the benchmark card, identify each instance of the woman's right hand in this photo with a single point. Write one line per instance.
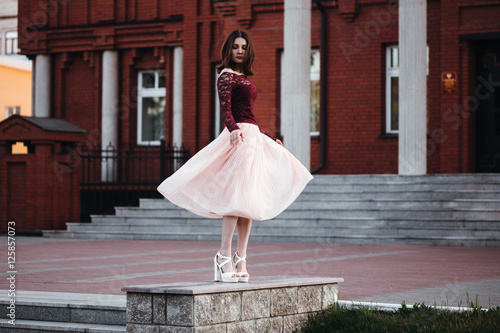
(235, 137)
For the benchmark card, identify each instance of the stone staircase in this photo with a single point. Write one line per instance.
(37, 311)
(459, 210)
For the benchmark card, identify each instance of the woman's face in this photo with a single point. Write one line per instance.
(238, 51)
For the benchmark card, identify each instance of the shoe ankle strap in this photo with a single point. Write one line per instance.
(225, 260)
(238, 258)
(221, 256)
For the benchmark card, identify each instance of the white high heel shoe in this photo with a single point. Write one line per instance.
(219, 275)
(236, 260)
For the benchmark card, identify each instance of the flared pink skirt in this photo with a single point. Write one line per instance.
(256, 179)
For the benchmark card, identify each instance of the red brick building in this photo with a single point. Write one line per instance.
(360, 132)
(461, 36)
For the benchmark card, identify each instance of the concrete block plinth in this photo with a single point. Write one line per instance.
(277, 304)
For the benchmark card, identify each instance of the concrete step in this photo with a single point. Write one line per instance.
(394, 195)
(65, 312)
(437, 209)
(92, 234)
(386, 179)
(378, 204)
(394, 187)
(365, 240)
(474, 204)
(339, 229)
(61, 234)
(329, 195)
(36, 326)
(293, 223)
(358, 238)
(345, 213)
(200, 224)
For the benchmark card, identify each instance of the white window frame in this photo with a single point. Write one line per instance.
(146, 93)
(11, 42)
(390, 73)
(316, 76)
(12, 110)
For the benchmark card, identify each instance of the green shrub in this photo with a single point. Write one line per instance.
(419, 318)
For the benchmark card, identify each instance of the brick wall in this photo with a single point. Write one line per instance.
(358, 33)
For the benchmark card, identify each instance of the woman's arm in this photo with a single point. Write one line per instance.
(225, 86)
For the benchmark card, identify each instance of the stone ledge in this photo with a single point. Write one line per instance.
(280, 303)
(211, 287)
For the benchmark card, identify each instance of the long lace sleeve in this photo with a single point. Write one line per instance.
(225, 86)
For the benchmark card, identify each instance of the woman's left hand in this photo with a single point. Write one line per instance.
(279, 142)
(235, 137)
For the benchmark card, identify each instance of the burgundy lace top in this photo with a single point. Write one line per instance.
(237, 95)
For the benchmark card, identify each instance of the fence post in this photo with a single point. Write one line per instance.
(162, 159)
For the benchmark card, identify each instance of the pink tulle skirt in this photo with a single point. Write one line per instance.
(256, 179)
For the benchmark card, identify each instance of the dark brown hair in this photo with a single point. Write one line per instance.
(247, 66)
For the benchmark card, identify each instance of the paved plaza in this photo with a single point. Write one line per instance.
(381, 274)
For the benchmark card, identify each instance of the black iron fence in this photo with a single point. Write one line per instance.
(112, 178)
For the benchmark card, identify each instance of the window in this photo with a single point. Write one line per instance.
(19, 148)
(392, 88)
(151, 107)
(11, 42)
(315, 92)
(12, 110)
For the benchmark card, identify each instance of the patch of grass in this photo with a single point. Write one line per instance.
(419, 318)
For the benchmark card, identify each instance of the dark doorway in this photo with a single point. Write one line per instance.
(488, 113)
(16, 188)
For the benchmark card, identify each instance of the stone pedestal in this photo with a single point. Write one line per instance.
(266, 304)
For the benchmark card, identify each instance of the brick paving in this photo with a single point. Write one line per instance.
(384, 274)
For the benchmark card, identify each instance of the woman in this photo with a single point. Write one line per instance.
(244, 174)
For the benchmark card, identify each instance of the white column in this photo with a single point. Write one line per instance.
(295, 80)
(109, 123)
(33, 87)
(177, 103)
(413, 87)
(42, 85)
